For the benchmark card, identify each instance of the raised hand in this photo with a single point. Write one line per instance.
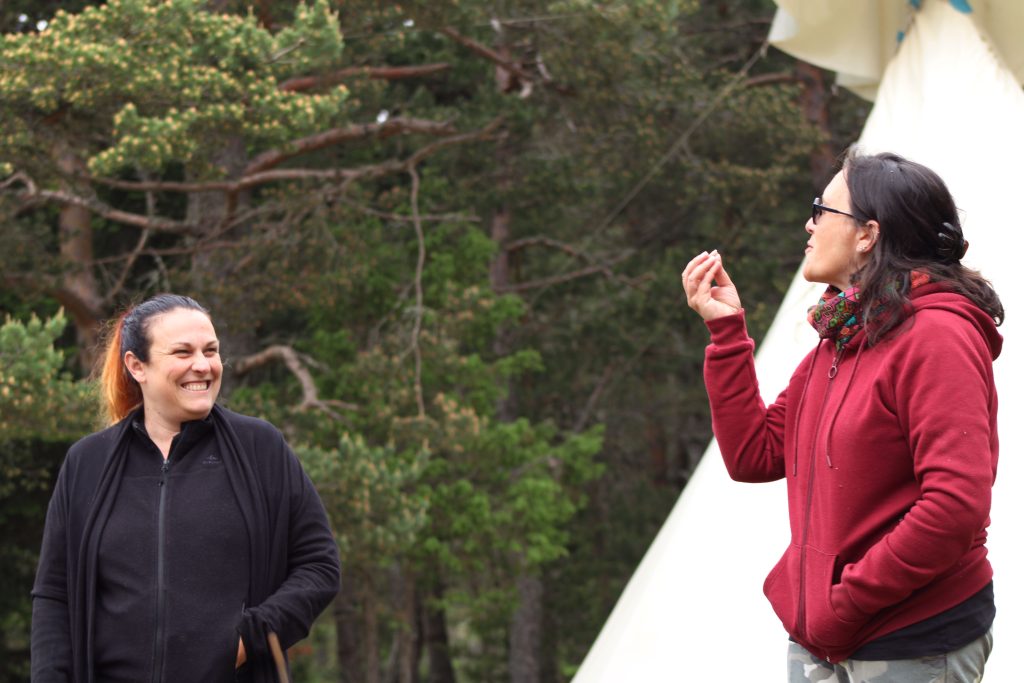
(702, 294)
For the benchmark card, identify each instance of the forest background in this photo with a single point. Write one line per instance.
(440, 241)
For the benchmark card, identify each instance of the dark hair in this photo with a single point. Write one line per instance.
(919, 230)
(130, 332)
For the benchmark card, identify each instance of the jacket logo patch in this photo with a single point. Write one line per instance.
(211, 459)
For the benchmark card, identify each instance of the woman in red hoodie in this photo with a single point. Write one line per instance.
(886, 433)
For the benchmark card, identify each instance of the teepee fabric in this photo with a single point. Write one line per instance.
(945, 95)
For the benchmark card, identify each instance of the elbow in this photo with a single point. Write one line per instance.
(960, 516)
(736, 473)
(753, 470)
(330, 571)
(745, 477)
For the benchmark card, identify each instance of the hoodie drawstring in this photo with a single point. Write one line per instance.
(800, 408)
(839, 408)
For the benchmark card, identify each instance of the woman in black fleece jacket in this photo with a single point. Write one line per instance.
(184, 542)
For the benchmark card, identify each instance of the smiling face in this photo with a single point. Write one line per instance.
(181, 379)
(838, 245)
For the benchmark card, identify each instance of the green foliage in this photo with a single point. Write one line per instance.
(502, 492)
(27, 470)
(42, 409)
(370, 494)
(38, 399)
(163, 82)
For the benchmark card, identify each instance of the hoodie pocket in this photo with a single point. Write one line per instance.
(824, 626)
(821, 626)
(782, 588)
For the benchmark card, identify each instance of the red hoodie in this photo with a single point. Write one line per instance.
(889, 453)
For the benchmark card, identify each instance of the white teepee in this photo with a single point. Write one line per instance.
(946, 78)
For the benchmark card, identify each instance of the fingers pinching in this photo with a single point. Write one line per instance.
(696, 281)
(688, 270)
(723, 277)
(692, 277)
(709, 289)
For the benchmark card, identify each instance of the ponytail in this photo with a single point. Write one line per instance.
(120, 392)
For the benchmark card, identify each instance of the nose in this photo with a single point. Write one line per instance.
(200, 363)
(809, 226)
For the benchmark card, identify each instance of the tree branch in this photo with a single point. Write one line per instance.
(420, 261)
(569, 249)
(346, 175)
(484, 133)
(603, 268)
(290, 357)
(32, 195)
(192, 250)
(513, 68)
(595, 396)
(284, 52)
(132, 256)
(487, 53)
(20, 177)
(771, 79)
(394, 126)
(387, 73)
(525, 242)
(434, 217)
(259, 172)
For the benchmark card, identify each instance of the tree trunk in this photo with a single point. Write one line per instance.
(524, 664)
(524, 647)
(435, 633)
(500, 223)
(408, 633)
(212, 271)
(814, 99)
(371, 649)
(79, 291)
(403, 660)
(349, 644)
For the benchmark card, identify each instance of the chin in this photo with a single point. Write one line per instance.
(814, 277)
(197, 411)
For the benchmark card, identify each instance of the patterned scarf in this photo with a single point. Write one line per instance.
(838, 315)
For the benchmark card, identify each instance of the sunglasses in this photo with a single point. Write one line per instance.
(817, 208)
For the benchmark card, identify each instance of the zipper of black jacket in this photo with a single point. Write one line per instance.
(161, 537)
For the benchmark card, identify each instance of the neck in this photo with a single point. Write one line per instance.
(161, 432)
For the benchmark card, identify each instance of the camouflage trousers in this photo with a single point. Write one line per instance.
(966, 665)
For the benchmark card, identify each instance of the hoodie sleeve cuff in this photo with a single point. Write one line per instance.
(844, 606)
(728, 329)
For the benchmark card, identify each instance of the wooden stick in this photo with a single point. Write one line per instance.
(279, 661)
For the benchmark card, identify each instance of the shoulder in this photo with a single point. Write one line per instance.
(91, 449)
(950, 321)
(247, 426)
(255, 436)
(937, 321)
(86, 460)
(949, 340)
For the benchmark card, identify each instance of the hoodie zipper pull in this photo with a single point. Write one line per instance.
(834, 370)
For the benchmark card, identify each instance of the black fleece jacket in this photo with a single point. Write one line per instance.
(150, 571)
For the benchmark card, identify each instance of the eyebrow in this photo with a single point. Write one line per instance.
(187, 345)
